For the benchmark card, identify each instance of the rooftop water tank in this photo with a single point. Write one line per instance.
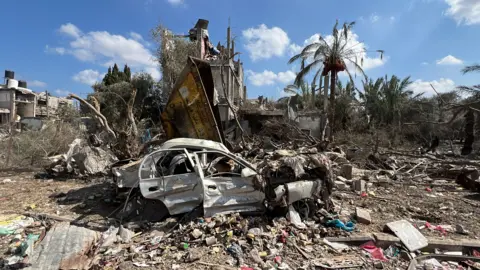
(11, 83)
(9, 74)
(22, 84)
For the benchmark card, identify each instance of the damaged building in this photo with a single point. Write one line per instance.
(221, 57)
(21, 105)
(48, 105)
(16, 100)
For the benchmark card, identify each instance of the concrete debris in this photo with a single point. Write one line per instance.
(409, 235)
(363, 216)
(359, 185)
(82, 159)
(347, 171)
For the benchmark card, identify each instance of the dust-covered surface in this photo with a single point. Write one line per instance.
(227, 242)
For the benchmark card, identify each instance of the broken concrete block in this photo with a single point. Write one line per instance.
(340, 185)
(359, 185)
(211, 240)
(341, 178)
(412, 238)
(196, 233)
(193, 255)
(347, 171)
(363, 216)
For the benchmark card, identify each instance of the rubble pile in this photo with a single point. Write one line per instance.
(82, 159)
(336, 209)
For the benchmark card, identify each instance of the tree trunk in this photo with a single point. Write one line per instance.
(130, 115)
(333, 82)
(103, 120)
(469, 133)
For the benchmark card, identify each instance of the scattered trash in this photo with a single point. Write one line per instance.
(376, 252)
(349, 226)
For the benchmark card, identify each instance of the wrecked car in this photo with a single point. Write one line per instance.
(185, 173)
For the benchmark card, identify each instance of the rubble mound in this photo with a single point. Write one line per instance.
(82, 159)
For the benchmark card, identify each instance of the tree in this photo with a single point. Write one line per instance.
(470, 115)
(332, 57)
(370, 98)
(127, 73)
(114, 75)
(343, 107)
(303, 91)
(395, 95)
(172, 54)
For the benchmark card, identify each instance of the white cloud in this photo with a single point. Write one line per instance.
(286, 77)
(175, 2)
(449, 60)
(36, 83)
(136, 36)
(62, 92)
(294, 49)
(442, 85)
(464, 11)
(374, 18)
(57, 50)
(87, 76)
(70, 30)
(104, 48)
(268, 77)
(263, 42)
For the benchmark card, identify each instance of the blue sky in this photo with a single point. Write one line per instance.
(65, 46)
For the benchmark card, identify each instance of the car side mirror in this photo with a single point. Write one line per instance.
(247, 172)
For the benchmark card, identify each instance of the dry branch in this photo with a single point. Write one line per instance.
(97, 113)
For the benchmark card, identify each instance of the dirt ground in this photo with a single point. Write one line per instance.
(91, 201)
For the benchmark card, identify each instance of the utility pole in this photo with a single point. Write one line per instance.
(228, 67)
(46, 99)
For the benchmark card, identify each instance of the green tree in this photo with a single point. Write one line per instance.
(127, 73)
(395, 95)
(344, 101)
(469, 110)
(114, 75)
(370, 98)
(303, 91)
(332, 57)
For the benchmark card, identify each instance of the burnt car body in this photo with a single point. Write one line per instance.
(185, 173)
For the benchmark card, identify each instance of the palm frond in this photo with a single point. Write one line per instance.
(301, 75)
(471, 68)
(295, 58)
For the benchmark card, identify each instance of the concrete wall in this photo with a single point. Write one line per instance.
(5, 99)
(311, 122)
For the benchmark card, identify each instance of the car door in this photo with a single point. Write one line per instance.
(170, 176)
(228, 191)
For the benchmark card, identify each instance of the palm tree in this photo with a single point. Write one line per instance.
(470, 116)
(395, 95)
(371, 99)
(343, 103)
(303, 91)
(331, 57)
